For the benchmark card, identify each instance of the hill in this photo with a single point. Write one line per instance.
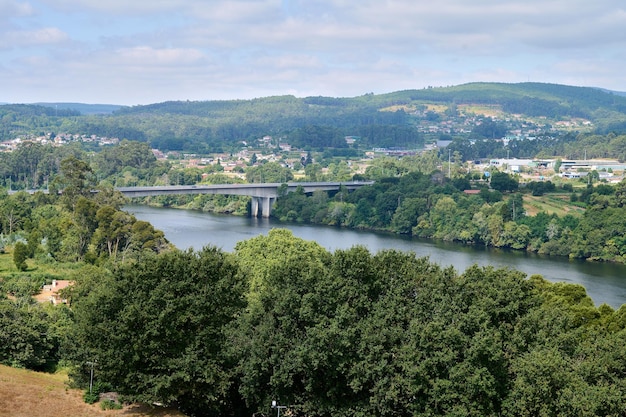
(32, 394)
(619, 93)
(83, 108)
(552, 101)
(383, 120)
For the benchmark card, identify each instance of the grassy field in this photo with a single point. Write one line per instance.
(56, 269)
(493, 110)
(551, 203)
(32, 394)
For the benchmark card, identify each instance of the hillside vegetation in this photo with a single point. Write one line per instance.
(316, 122)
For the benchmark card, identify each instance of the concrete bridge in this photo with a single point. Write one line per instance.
(263, 194)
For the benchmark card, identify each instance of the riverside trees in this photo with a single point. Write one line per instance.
(349, 333)
(345, 333)
(430, 206)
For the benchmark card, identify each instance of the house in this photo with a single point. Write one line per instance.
(51, 292)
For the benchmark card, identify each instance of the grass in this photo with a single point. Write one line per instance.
(37, 266)
(486, 110)
(437, 108)
(557, 203)
(394, 108)
(32, 394)
(39, 271)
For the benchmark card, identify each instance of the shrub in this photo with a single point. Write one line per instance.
(91, 397)
(20, 254)
(110, 405)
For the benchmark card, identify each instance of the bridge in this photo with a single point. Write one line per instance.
(263, 194)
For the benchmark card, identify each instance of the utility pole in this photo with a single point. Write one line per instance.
(278, 407)
(91, 375)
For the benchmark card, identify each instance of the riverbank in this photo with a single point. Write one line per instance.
(194, 229)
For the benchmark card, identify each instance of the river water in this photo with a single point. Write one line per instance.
(605, 283)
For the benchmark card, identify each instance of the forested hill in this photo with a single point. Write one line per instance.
(531, 99)
(83, 108)
(379, 120)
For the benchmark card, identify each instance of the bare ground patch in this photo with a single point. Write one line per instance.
(32, 394)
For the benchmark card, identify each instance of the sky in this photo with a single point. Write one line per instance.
(133, 52)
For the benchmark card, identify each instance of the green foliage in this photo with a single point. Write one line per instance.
(156, 327)
(344, 333)
(110, 405)
(389, 334)
(429, 207)
(269, 172)
(503, 182)
(323, 122)
(489, 129)
(91, 397)
(30, 334)
(75, 179)
(20, 254)
(136, 155)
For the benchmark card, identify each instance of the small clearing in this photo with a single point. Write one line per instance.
(551, 203)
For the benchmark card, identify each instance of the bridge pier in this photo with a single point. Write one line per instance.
(266, 206)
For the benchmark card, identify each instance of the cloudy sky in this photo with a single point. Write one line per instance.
(146, 51)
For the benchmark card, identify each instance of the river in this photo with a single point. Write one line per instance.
(605, 283)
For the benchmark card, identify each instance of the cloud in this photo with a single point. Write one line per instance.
(10, 9)
(169, 49)
(114, 7)
(254, 12)
(145, 56)
(27, 38)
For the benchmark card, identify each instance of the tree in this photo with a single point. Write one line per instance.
(113, 230)
(145, 237)
(503, 182)
(406, 215)
(156, 328)
(283, 272)
(75, 179)
(20, 254)
(128, 154)
(269, 172)
(313, 172)
(29, 335)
